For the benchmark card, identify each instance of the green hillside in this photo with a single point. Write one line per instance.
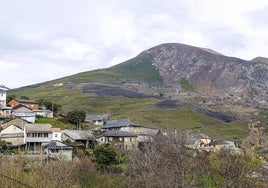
(68, 92)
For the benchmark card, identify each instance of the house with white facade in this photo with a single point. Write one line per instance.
(56, 134)
(3, 95)
(14, 134)
(37, 135)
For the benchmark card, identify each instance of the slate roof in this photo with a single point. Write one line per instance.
(25, 101)
(94, 117)
(218, 142)
(58, 145)
(200, 136)
(21, 106)
(2, 87)
(38, 128)
(78, 135)
(119, 123)
(119, 134)
(192, 140)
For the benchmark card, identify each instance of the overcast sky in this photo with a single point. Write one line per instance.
(41, 40)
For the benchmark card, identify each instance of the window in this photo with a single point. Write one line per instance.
(130, 139)
(56, 135)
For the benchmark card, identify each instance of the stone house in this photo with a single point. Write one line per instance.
(144, 134)
(23, 112)
(37, 135)
(81, 139)
(122, 125)
(14, 134)
(198, 141)
(96, 119)
(14, 121)
(58, 150)
(120, 139)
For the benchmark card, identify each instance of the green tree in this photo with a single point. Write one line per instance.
(76, 117)
(50, 105)
(105, 156)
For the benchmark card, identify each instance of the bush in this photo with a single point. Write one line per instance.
(105, 156)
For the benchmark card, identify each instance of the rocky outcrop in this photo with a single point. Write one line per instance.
(210, 73)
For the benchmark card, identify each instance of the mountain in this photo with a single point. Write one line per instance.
(200, 77)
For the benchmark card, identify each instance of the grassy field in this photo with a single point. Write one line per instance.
(144, 112)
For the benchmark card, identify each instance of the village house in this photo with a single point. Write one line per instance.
(202, 142)
(81, 139)
(33, 105)
(43, 113)
(122, 125)
(58, 150)
(120, 139)
(14, 121)
(3, 95)
(23, 112)
(96, 119)
(14, 134)
(198, 141)
(144, 134)
(5, 112)
(56, 134)
(37, 135)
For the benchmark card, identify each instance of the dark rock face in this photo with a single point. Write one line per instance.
(105, 90)
(210, 73)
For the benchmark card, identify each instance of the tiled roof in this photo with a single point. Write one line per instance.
(190, 141)
(119, 134)
(149, 131)
(25, 101)
(78, 135)
(218, 142)
(94, 117)
(119, 123)
(38, 128)
(201, 136)
(58, 145)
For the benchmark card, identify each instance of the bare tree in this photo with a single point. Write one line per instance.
(163, 163)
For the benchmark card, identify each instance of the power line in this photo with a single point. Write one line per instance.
(17, 181)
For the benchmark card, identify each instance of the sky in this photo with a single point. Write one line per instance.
(49, 39)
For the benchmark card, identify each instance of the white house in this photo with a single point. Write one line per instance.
(14, 134)
(3, 95)
(43, 113)
(56, 134)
